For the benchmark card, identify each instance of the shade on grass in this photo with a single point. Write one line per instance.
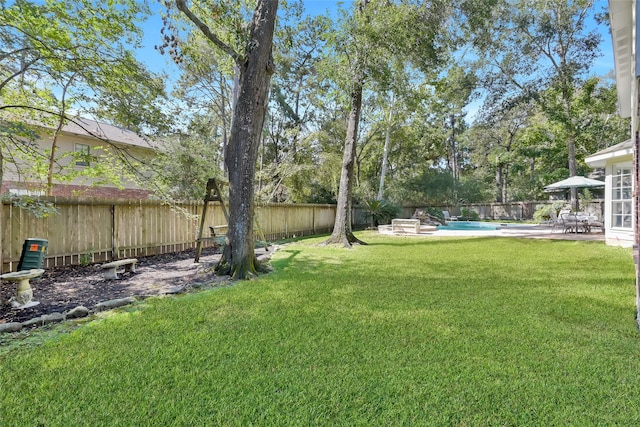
(484, 331)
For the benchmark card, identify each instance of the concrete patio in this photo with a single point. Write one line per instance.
(532, 231)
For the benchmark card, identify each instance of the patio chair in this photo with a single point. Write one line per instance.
(596, 224)
(558, 221)
(572, 224)
(448, 217)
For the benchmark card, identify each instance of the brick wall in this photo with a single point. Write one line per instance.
(60, 190)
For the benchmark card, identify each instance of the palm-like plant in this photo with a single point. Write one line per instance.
(379, 211)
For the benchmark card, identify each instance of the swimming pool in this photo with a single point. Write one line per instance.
(470, 225)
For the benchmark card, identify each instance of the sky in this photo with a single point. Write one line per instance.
(159, 63)
(604, 64)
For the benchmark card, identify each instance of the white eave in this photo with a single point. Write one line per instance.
(599, 159)
(621, 18)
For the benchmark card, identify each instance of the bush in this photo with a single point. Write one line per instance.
(469, 214)
(548, 212)
(379, 211)
(543, 213)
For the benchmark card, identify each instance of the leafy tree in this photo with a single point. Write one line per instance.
(59, 56)
(454, 92)
(520, 149)
(185, 161)
(206, 91)
(541, 45)
(495, 140)
(361, 53)
(287, 156)
(251, 52)
(394, 100)
(342, 233)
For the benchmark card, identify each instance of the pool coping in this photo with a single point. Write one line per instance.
(532, 231)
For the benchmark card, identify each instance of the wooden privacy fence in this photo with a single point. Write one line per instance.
(86, 231)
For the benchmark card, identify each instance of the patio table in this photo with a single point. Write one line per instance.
(586, 219)
(573, 221)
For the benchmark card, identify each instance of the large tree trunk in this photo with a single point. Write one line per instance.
(499, 186)
(225, 125)
(573, 168)
(238, 258)
(1, 206)
(571, 137)
(454, 162)
(385, 154)
(342, 232)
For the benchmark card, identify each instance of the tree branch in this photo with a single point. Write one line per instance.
(182, 6)
(17, 73)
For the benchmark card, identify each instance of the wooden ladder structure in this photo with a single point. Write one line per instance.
(212, 187)
(214, 195)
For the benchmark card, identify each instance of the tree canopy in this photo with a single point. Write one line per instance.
(64, 59)
(459, 101)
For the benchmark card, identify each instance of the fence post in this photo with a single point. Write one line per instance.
(114, 239)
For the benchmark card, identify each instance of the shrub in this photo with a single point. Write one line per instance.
(33, 206)
(469, 214)
(379, 211)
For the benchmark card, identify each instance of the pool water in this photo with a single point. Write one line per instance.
(470, 225)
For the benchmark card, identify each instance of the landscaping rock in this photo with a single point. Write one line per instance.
(75, 313)
(45, 319)
(114, 303)
(10, 327)
(34, 321)
(175, 290)
(52, 318)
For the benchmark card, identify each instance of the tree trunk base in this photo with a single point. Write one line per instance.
(245, 269)
(345, 239)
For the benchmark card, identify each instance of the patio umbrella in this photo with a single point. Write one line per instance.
(574, 182)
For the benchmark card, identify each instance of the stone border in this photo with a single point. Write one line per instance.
(81, 311)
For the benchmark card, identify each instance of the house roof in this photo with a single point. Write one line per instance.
(86, 127)
(599, 159)
(621, 19)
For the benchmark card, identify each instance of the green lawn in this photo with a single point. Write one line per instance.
(404, 331)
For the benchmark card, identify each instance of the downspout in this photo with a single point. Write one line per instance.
(635, 115)
(636, 202)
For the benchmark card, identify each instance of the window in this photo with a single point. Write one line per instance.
(24, 192)
(621, 194)
(82, 154)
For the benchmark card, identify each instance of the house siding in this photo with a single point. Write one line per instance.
(17, 177)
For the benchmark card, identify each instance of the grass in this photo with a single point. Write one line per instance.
(484, 331)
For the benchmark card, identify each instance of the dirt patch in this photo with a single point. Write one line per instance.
(61, 289)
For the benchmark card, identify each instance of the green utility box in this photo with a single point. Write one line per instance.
(33, 253)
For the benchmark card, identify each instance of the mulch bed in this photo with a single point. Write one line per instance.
(64, 288)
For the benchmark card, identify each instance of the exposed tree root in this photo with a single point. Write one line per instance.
(345, 239)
